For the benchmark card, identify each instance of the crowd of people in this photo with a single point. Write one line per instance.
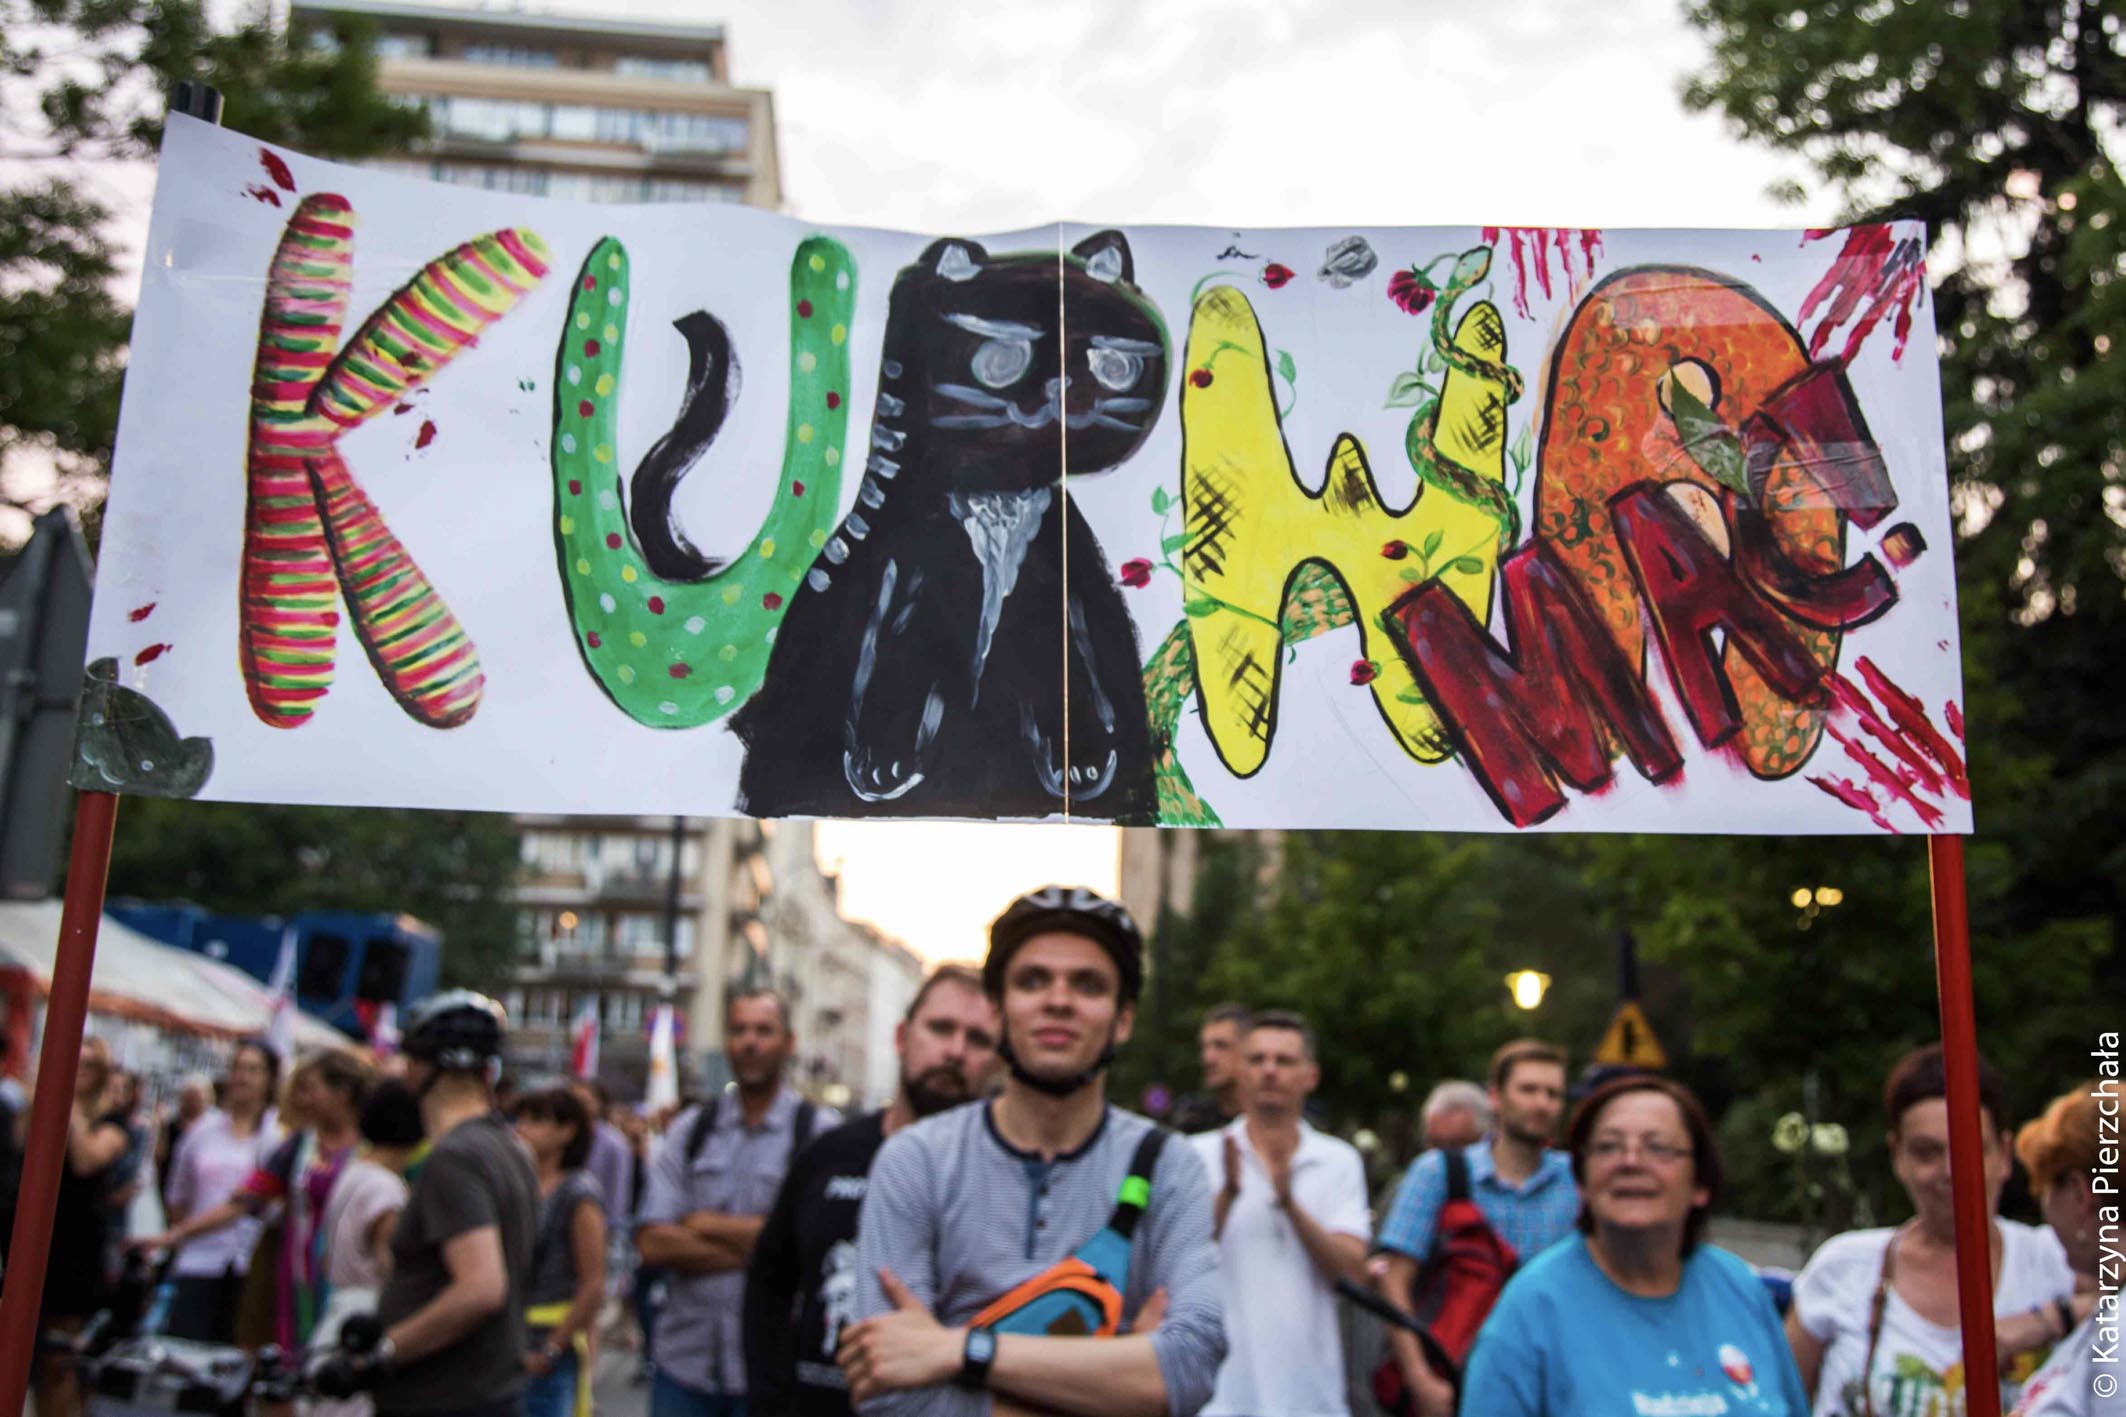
(445, 1245)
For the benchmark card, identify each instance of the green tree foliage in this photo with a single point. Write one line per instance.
(452, 870)
(86, 83)
(1998, 122)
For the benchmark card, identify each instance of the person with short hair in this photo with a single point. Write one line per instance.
(612, 1162)
(567, 1282)
(1875, 1325)
(1457, 1113)
(1633, 1312)
(711, 1186)
(1291, 1219)
(2063, 1150)
(1218, 1052)
(1523, 1186)
(996, 1237)
(451, 1311)
(801, 1284)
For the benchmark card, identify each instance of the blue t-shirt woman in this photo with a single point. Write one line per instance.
(1633, 1316)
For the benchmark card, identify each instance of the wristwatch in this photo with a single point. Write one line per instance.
(975, 1358)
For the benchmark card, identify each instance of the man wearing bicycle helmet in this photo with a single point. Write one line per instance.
(996, 1237)
(451, 1312)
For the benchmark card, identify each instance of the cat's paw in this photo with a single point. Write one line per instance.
(876, 781)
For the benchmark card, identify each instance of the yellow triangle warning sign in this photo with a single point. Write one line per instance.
(1630, 1041)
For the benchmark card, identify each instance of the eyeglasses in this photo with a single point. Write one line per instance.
(1665, 1153)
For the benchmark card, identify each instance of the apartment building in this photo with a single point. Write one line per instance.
(600, 110)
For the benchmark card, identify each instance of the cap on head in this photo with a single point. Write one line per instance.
(457, 1031)
(1071, 910)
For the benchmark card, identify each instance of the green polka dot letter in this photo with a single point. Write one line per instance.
(680, 652)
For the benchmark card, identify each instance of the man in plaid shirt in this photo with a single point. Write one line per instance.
(1522, 1184)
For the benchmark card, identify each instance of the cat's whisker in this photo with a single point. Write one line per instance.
(1122, 405)
(970, 420)
(967, 393)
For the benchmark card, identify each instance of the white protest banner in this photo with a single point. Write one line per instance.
(437, 497)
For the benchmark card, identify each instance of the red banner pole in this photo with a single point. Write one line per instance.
(1967, 1176)
(52, 1109)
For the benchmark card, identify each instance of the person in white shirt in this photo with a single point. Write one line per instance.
(1874, 1326)
(1291, 1220)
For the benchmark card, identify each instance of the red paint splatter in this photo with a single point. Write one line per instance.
(259, 192)
(772, 601)
(402, 408)
(1275, 276)
(797, 489)
(1911, 716)
(1364, 671)
(277, 170)
(1395, 550)
(1201, 378)
(679, 671)
(583, 409)
(1954, 717)
(1899, 783)
(834, 400)
(1532, 248)
(590, 282)
(1873, 276)
(140, 613)
(612, 541)
(656, 603)
(804, 309)
(1849, 696)
(1856, 797)
(575, 488)
(151, 654)
(1136, 573)
(427, 434)
(592, 639)
(590, 349)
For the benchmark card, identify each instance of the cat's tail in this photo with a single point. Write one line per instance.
(673, 638)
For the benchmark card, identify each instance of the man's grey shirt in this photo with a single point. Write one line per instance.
(700, 1335)
(962, 1217)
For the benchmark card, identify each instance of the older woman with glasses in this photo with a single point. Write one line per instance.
(1635, 1314)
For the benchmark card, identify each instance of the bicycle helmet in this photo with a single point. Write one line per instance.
(458, 1031)
(1074, 910)
(1077, 911)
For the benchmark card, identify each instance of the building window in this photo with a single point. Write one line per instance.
(405, 46)
(637, 66)
(574, 187)
(512, 56)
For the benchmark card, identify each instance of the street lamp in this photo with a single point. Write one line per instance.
(1527, 987)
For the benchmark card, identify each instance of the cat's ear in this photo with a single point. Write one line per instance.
(1106, 257)
(954, 259)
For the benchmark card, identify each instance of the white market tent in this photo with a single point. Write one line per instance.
(142, 980)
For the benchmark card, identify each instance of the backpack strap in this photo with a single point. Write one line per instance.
(1136, 1190)
(801, 1127)
(704, 1123)
(1457, 1174)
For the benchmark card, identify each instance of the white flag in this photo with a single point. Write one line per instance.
(663, 1088)
(384, 1036)
(280, 1028)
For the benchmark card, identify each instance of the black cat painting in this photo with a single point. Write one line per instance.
(923, 668)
